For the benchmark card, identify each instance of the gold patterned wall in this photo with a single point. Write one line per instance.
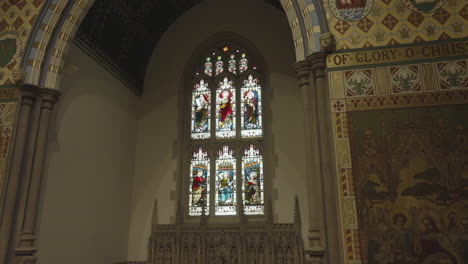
(7, 121)
(372, 23)
(16, 20)
(382, 123)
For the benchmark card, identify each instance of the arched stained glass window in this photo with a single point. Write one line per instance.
(199, 188)
(226, 132)
(251, 108)
(225, 183)
(226, 109)
(201, 111)
(252, 181)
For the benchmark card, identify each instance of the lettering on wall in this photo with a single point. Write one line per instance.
(401, 54)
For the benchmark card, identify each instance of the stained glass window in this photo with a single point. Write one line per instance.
(243, 63)
(226, 110)
(201, 111)
(208, 67)
(232, 64)
(199, 188)
(251, 108)
(219, 65)
(252, 181)
(225, 184)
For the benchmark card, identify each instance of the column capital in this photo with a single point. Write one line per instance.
(302, 72)
(29, 93)
(49, 97)
(318, 63)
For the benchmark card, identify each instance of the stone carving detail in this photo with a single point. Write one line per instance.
(327, 42)
(259, 241)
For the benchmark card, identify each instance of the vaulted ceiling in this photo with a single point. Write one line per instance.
(122, 34)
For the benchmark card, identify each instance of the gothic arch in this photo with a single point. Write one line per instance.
(58, 21)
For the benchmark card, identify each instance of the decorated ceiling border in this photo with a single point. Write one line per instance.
(401, 85)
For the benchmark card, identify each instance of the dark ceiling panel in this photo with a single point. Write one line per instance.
(121, 34)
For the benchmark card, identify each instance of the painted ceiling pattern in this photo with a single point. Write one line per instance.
(122, 34)
(370, 23)
(16, 20)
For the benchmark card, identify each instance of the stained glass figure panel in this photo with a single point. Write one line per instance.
(225, 183)
(225, 110)
(252, 181)
(201, 111)
(199, 188)
(251, 108)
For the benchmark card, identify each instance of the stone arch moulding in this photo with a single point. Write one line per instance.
(59, 20)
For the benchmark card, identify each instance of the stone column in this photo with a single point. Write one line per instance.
(27, 240)
(326, 177)
(314, 249)
(29, 94)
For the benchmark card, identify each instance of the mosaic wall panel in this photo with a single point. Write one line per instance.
(16, 20)
(396, 125)
(410, 174)
(372, 23)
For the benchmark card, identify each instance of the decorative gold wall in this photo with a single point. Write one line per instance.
(372, 23)
(16, 20)
(385, 148)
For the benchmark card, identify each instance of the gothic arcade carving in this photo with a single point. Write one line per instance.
(261, 242)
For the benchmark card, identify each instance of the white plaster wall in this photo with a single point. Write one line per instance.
(87, 178)
(156, 159)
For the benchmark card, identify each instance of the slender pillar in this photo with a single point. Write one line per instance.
(27, 241)
(13, 179)
(326, 179)
(314, 250)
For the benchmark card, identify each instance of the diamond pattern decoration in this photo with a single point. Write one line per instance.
(464, 12)
(444, 36)
(415, 19)
(16, 17)
(392, 19)
(18, 23)
(365, 24)
(389, 21)
(342, 26)
(441, 16)
(418, 39)
(393, 42)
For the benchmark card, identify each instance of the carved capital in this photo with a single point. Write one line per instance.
(29, 93)
(327, 42)
(49, 97)
(26, 251)
(302, 72)
(318, 63)
(19, 75)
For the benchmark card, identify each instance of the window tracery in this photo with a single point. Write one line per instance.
(226, 131)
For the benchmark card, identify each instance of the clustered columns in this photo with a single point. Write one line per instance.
(323, 219)
(25, 177)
